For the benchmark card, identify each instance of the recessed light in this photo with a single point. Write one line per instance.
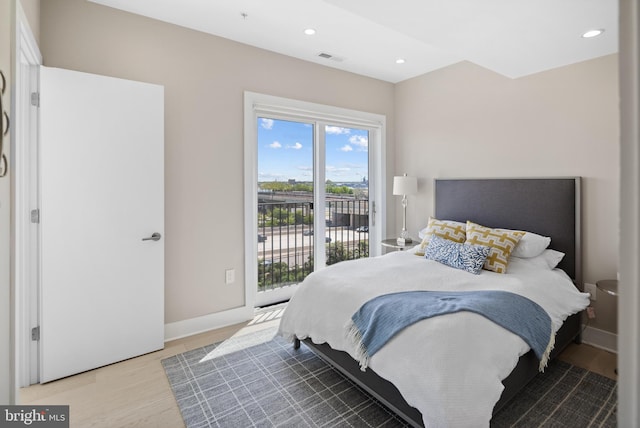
(592, 33)
(309, 31)
(400, 61)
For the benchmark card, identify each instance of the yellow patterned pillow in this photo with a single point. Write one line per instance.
(501, 241)
(447, 229)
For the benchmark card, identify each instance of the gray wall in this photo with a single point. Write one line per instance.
(467, 121)
(461, 121)
(204, 78)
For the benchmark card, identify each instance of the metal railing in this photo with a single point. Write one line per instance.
(286, 238)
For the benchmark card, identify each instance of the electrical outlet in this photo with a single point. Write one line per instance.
(591, 312)
(229, 276)
(592, 290)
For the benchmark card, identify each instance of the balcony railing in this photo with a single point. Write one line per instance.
(286, 238)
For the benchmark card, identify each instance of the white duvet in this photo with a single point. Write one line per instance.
(449, 367)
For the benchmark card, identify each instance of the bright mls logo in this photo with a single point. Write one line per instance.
(34, 416)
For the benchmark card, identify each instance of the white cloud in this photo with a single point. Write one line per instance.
(275, 145)
(266, 123)
(296, 146)
(346, 148)
(337, 130)
(360, 141)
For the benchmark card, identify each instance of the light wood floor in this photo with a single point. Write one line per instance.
(136, 393)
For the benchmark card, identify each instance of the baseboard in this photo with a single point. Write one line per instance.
(189, 327)
(600, 339)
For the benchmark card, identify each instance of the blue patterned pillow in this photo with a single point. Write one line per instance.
(467, 257)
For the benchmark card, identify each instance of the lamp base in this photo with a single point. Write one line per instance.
(404, 241)
(404, 238)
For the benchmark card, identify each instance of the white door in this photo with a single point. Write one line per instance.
(102, 193)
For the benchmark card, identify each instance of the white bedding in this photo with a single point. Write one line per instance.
(449, 367)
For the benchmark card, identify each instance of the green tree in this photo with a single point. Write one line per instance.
(303, 187)
(281, 186)
(299, 217)
(276, 186)
(280, 273)
(280, 217)
(272, 274)
(308, 219)
(336, 253)
(361, 251)
(338, 190)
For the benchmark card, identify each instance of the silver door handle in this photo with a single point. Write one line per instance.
(154, 237)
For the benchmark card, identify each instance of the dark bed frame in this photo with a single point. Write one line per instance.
(547, 206)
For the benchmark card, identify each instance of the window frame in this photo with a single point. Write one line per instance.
(260, 105)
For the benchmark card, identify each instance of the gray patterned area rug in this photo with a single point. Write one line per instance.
(259, 380)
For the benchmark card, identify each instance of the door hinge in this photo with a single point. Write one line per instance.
(35, 333)
(35, 216)
(35, 99)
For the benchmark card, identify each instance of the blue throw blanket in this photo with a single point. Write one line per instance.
(381, 318)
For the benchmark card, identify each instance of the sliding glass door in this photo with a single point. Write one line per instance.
(312, 184)
(346, 201)
(285, 191)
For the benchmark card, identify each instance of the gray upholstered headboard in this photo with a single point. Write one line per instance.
(547, 206)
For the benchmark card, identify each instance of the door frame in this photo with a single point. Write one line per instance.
(25, 242)
(255, 105)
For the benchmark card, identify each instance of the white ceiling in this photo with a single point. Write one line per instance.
(511, 37)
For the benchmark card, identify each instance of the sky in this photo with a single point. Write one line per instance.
(285, 151)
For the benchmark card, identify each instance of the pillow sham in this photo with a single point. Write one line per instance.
(550, 257)
(470, 258)
(548, 260)
(501, 241)
(447, 229)
(531, 245)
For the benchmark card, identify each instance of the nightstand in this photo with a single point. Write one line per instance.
(393, 243)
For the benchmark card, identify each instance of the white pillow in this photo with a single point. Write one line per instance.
(423, 232)
(531, 245)
(552, 257)
(549, 259)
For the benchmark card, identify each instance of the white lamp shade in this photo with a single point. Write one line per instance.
(403, 185)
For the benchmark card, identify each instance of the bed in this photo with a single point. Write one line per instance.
(548, 207)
